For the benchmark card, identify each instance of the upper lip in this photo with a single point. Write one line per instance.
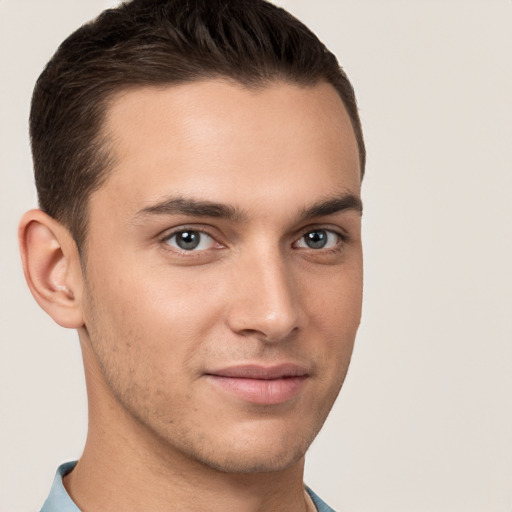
(263, 372)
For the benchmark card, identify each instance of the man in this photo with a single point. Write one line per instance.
(198, 166)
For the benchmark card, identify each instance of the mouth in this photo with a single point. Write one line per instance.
(257, 384)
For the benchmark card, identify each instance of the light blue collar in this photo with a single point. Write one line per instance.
(59, 500)
(320, 505)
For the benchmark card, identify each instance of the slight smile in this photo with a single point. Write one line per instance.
(263, 385)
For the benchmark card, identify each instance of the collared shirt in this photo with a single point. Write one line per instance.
(60, 501)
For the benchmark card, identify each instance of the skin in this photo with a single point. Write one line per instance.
(155, 321)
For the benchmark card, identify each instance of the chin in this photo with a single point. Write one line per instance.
(247, 462)
(260, 452)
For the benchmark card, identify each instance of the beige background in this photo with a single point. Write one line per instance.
(424, 423)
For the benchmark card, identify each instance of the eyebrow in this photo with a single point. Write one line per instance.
(201, 208)
(334, 205)
(192, 207)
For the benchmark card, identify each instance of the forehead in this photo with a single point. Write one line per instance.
(230, 143)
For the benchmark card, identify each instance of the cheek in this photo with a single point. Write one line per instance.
(155, 313)
(146, 334)
(336, 299)
(335, 314)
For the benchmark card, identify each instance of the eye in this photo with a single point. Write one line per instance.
(190, 240)
(319, 239)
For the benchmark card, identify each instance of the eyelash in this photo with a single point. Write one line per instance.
(343, 239)
(183, 229)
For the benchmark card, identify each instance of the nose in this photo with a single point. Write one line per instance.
(265, 302)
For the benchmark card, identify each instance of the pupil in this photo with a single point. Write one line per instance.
(316, 239)
(187, 240)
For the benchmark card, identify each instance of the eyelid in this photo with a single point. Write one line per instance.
(343, 238)
(169, 233)
(337, 230)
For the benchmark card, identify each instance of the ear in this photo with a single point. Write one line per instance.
(52, 267)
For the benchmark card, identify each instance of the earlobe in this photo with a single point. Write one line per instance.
(52, 267)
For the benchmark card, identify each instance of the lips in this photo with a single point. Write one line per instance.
(264, 385)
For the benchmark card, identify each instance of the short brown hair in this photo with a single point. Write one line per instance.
(158, 42)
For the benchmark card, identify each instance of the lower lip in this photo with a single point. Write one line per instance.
(260, 391)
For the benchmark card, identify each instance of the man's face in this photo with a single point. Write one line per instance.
(224, 269)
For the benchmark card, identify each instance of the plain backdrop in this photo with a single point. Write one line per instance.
(424, 422)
